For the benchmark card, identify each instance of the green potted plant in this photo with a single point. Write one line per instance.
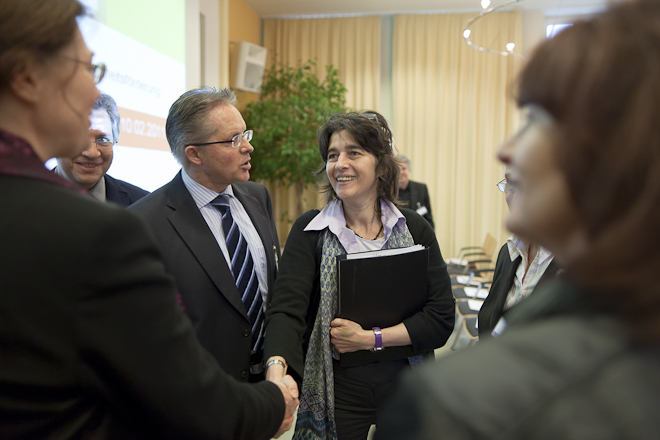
(285, 121)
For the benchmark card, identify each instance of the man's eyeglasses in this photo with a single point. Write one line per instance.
(235, 141)
(98, 70)
(505, 187)
(104, 143)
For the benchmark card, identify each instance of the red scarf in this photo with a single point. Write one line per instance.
(17, 158)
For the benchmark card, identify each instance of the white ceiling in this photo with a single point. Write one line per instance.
(295, 8)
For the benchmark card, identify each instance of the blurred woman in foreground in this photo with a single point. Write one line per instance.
(92, 342)
(579, 359)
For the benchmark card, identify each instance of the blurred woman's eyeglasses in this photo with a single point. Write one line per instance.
(97, 70)
(505, 187)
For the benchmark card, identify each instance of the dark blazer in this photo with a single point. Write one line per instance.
(505, 273)
(203, 278)
(92, 342)
(295, 302)
(122, 193)
(419, 199)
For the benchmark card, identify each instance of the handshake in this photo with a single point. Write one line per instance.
(276, 373)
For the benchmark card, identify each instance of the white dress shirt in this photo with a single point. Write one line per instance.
(526, 279)
(203, 198)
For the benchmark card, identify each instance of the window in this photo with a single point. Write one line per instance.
(553, 29)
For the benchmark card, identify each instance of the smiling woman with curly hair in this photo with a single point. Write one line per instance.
(360, 178)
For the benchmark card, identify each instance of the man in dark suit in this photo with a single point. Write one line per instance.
(416, 194)
(88, 169)
(188, 216)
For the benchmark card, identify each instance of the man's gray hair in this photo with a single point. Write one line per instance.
(404, 159)
(107, 103)
(187, 120)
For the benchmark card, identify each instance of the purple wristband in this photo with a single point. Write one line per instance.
(379, 339)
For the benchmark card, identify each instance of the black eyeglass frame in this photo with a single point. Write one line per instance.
(236, 141)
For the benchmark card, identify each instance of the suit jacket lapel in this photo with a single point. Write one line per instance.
(191, 226)
(508, 277)
(114, 192)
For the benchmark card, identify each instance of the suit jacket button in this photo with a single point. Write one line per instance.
(246, 333)
(244, 375)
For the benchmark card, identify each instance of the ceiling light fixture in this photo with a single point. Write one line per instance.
(467, 31)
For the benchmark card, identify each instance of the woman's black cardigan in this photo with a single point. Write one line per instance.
(290, 315)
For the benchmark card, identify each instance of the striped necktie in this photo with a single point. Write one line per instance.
(242, 267)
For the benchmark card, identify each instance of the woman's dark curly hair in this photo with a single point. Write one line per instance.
(371, 131)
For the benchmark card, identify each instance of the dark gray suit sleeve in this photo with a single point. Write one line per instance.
(140, 352)
(416, 413)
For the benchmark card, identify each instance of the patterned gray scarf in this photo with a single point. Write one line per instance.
(316, 414)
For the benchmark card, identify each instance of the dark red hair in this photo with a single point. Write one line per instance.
(600, 80)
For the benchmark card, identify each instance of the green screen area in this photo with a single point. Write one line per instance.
(160, 24)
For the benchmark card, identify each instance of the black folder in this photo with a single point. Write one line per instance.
(381, 291)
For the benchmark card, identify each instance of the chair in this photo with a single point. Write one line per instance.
(464, 309)
(468, 334)
(476, 277)
(464, 293)
(469, 257)
(469, 307)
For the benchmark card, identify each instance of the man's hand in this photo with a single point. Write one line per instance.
(290, 392)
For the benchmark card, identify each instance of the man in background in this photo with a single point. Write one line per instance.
(415, 193)
(88, 169)
(216, 229)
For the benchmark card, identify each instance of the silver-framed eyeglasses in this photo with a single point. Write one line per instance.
(235, 141)
(505, 187)
(104, 143)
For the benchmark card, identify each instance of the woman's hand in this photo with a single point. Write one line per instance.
(348, 336)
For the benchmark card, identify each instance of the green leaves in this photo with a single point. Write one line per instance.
(293, 104)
